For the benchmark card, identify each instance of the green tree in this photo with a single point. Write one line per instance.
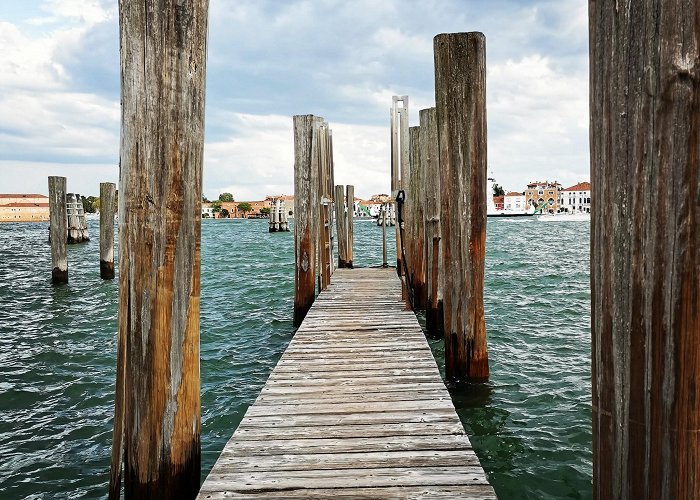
(205, 199)
(265, 210)
(226, 197)
(87, 204)
(216, 206)
(498, 190)
(245, 207)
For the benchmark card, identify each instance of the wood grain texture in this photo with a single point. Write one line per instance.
(341, 226)
(355, 408)
(107, 205)
(306, 204)
(157, 404)
(460, 96)
(645, 248)
(58, 225)
(430, 165)
(415, 221)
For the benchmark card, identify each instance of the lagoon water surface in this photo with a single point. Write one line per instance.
(530, 425)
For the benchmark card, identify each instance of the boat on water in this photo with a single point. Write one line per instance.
(565, 216)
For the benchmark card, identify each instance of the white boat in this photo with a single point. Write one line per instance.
(562, 217)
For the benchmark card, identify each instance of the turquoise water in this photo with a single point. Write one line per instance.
(530, 424)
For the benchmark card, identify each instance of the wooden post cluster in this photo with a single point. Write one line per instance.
(58, 218)
(645, 249)
(107, 205)
(399, 160)
(313, 240)
(157, 403)
(77, 224)
(278, 216)
(460, 96)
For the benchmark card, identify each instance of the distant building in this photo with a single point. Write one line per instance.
(207, 211)
(540, 192)
(381, 198)
(498, 201)
(576, 198)
(24, 208)
(514, 201)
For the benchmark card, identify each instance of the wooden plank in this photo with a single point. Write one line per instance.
(478, 491)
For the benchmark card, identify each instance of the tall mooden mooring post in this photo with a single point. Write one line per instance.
(306, 206)
(157, 404)
(107, 201)
(350, 197)
(399, 160)
(58, 218)
(460, 97)
(645, 249)
(415, 220)
(341, 224)
(430, 166)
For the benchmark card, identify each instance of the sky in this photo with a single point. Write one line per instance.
(271, 59)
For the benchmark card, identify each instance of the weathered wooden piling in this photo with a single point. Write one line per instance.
(350, 197)
(430, 166)
(325, 190)
(460, 96)
(306, 203)
(273, 224)
(399, 161)
(415, 221)
(341, 226)
(645, 249)
(385, 262)
(157, 404)
(58, 229)
(107, 201)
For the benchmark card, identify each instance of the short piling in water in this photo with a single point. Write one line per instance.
(430, 166)
(350, 197)
(460, 96)
(306, 206)
(645, 249)
(58, 229)
(274, 224)
(107, 203)
(157, 405)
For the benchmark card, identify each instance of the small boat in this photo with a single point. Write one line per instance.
(562, 217)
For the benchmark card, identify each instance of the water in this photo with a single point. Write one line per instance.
(530, 425)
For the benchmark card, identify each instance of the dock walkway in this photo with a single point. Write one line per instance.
(355, 408)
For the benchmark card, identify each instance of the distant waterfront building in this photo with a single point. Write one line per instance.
(207, 211)
(540, 192)
(514, 201)
(576, 198)
(24, 208)
(499, 202)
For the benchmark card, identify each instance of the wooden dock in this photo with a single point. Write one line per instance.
(355, 408)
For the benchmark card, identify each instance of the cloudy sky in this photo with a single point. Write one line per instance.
(271, 59)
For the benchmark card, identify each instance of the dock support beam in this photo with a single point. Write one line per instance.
(415, 225)
(341, 225)
(157, 404)
(430, 164)
(306, 206)
(460, 96)
(58, 218)
(399, 161)
(350, 197)
(107, 200)
(645, 248)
